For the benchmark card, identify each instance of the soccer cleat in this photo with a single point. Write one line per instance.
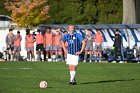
(28, 60)
(70, 83)
(95, 61)
(121, 62)
(100, 61)
(15, 59)
(114, 62)
(74, 83)
(84, 61)
(56, 60)
(90, 61)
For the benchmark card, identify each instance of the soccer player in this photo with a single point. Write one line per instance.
(39, 45)
(89, 38)
(117, 45)
(29, 44)
(98, 45)
(48, 42)
(74, 49)
(17, 46)
(10, 45)
(58, 44)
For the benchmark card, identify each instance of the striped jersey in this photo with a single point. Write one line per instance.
(74, 42)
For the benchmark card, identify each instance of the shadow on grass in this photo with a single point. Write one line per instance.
(108, 81)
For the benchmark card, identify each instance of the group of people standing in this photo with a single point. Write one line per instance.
(51, 43)
(72, 44)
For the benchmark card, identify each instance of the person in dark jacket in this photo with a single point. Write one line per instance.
(117, 45)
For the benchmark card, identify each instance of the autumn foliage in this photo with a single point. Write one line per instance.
(28, 12)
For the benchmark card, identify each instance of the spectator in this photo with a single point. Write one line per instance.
(39, 46)
(10, 45)
(117, 47)
(17, 46)
(48, 42)
(89, 38)
(98, 45)
(29, 44)
(58, 44)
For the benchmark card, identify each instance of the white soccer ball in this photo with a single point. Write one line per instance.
(43, 84)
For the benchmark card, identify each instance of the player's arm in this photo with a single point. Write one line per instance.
(7, 44)
(83, 46)
(64, 48)
(63, 44)
(26, 41)
(44, 41)
(53, 38)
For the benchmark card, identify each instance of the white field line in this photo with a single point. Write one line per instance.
(27, 68)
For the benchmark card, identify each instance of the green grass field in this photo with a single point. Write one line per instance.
(24, 77)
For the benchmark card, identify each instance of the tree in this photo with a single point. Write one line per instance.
(110, 11)
(85, 11)
(129, 15)
(3, 11)
(28, 12)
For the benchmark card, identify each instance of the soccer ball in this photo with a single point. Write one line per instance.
(43, 84)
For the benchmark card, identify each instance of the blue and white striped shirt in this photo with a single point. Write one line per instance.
(74, 42)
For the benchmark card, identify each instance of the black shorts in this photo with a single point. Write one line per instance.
(39, 47)
(11, 48)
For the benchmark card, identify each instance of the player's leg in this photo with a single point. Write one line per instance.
(96, 55)
(28, 53)
(32, 54)
(100, 52)
(115, 55)
(72, 61)
(72, 69)
(55, 54)
(12, 53)
(51, 50)
(85, 56)
(47, 52)
(100, 56)
(96, 52)
(18, 55)
(60, 53)
(86, 52)
(90, 53)
(42, 54)
(37, 53)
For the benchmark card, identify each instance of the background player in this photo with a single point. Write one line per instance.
(48, 42)
(29, 44)
(89, 38)
(98, 45)
(58, 44)
(39, 46)
(17, 46)
(10, 45)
